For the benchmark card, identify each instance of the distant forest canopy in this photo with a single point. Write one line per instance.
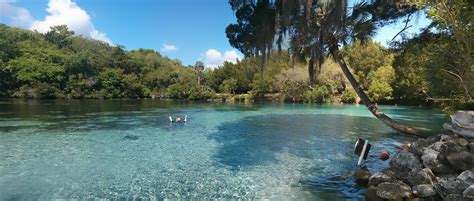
(428, 68)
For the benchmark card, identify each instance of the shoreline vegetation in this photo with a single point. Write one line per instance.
(59, 64)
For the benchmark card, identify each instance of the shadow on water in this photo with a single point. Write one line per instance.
(324, 139)
(256, 140)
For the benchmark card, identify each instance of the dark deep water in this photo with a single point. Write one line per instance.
(125, 149)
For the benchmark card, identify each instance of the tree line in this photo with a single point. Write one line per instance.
(434, 66)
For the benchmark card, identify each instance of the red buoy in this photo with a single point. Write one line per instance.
(384, 155)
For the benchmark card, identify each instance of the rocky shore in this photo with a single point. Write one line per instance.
(440, 167)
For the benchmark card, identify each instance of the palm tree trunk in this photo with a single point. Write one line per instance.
(372, 107)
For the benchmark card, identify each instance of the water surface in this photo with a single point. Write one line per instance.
(127, 149)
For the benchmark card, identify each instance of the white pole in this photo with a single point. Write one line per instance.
(366, 142)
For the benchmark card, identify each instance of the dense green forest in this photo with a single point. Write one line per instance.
(434, 66)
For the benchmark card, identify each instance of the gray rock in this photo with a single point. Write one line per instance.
(403, 162)
(450, 185)
(380, 177)
(418, 176)
(470, 147)
(371, 194)
(445, 137)
(393, 190)
(469, 191)
(421, 144)
(433, 177)
(467, 177)
(436, 162)
(461, 160)
(362, 176)
(454, 197)
(424, 190)
(436, 146)
(453, 146)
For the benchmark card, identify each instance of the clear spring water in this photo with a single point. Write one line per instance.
(119, 149)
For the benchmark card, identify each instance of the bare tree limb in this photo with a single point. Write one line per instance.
(466, 90)
(405, 27)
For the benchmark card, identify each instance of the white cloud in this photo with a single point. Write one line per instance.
(168, 48)
(19, 17)
(60, 12)
(214, 58)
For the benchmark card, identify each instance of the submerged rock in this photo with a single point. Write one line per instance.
(403, 163)
(131, 137)
(362, 176)
(424, 190)
(393, 190)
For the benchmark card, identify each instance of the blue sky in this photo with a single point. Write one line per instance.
(187, 30)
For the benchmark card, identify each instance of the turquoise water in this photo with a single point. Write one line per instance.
(119, 149)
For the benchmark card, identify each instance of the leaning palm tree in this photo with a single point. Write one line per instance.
(316, 28)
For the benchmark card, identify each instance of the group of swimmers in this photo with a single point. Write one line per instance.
(179, 120)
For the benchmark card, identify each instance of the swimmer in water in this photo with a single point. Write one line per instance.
(178, 119)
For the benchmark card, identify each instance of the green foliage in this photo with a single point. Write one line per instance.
(318, 94)
(59, 35)
(331, 75)
(243, 72)
(261, 86)
(372, 66)
(380, 87)
(111, 83)
(349, 96)
(428, 66)
(291, 83)
(201, 93)
(228, 86)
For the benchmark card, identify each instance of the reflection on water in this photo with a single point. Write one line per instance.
(127, 149)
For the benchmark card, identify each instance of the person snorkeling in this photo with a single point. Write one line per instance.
(178, 119)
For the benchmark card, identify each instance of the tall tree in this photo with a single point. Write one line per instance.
(199, 68)
(322, 26)
(255, 29)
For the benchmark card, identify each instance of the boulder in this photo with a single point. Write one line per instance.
(362, 176)
(371, 194)
(461, 160)
(467, 177)
(393, 190)
(436, 146)
(453, 146)
(470, 147)
(436, 162)
(418, 146)
(418, 176)
(454, 197)
(462, 122)
(433, 177)
(450, 185)
(403, 163)
(445, 137)
(424, 190)
(380, 177)
(469, 191)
